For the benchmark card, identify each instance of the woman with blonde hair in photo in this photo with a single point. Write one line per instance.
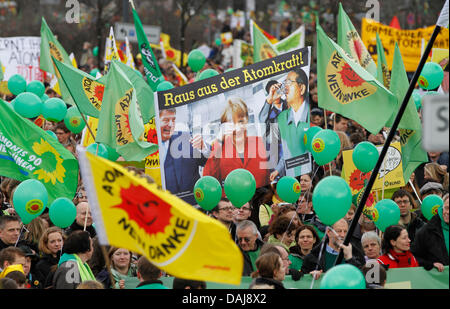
(235, 149)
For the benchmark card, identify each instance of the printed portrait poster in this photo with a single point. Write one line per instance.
(251, 118)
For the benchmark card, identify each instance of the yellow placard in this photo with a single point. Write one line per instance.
(390, 175)
(88, 138)
(409, 41)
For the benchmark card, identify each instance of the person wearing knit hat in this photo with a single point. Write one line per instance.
(432, 241)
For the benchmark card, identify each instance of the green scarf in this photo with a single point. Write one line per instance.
(84, 269)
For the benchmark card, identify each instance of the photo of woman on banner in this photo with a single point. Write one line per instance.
(182, 156)
(292, 125)
(234, 148)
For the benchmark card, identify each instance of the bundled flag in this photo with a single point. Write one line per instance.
(344, 87)
(177, 238)
(50, 47)
(151, 67)
(111, 51)
(28, 152)
(383, 74)
(129, 55)
(121, 125)
(350, 41)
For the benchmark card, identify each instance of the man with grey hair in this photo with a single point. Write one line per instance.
(249, 243)
(371, 244)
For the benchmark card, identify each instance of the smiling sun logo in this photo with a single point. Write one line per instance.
(148, 211)
(344, 83)
(54, 171)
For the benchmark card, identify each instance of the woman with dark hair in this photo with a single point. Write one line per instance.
(396, 248)
(72, 267)
(282, 232)
(305, 238)
(270, 271)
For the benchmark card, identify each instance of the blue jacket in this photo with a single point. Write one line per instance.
(181, 172)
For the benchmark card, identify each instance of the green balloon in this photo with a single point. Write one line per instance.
(101, 152)
(62, 212)
(95, 51)
(73, 120)
(196, 60)
(54, 109)
(431, 76)
(44, 97)
(417, 98)
(430, 205)
(36, 87)
(240, 186)
(165, 85)
(288, 189)
(17, 84)
(218, 42)
(385, 213)
(207, 74)
(365, 156)
(52, 134)
(30, 199)
(207, 192)
(309, 136)
(332, 199)
(28, 105)
(325, 146)
(343, 276)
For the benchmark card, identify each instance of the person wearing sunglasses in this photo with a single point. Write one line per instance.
(250, 245)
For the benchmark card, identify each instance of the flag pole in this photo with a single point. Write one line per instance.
(388, 141)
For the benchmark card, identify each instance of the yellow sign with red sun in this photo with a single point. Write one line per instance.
(390, 175)
(177, 238)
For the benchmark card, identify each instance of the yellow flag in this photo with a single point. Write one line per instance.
(177, 238)
(111, 51)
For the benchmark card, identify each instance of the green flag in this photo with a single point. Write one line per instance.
(350, 41)
(262, 48)
(120, 124)
(399, 87)
(50, 47)
(86, 91)
(145, 95)
(344, 87)
(294, 41)
(383, 74)
(28, 152)
(151, 67)
(412, 152)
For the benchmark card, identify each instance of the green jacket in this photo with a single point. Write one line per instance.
(151, 285)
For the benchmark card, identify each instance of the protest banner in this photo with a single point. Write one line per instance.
(131, 213)
(391, 174)
(240, 119)
(20, 55)
(409, 41)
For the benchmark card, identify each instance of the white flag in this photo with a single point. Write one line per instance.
(443, 17)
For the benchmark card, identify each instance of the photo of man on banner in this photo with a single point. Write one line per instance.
(252, 118)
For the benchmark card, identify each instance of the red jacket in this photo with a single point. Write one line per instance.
(398, 260)
(225, 159)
